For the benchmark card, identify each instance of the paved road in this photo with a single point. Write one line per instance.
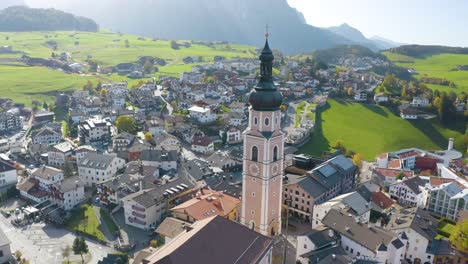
(158, 92)
(43, 244)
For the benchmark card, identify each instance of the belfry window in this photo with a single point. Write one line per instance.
(254, 153)
(275, 153)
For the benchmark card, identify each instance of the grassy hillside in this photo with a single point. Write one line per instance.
(22, 83)
(373, 129)
(439, 66)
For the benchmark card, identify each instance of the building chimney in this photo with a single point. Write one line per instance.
(333, 256)
(450, 144)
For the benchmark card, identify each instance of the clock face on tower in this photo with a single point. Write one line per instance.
(274, 169)
(253, 169)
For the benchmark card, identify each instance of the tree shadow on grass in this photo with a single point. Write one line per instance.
(376, 109)
(317, 143)
(427, 128)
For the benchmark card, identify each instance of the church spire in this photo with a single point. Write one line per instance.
(265, 96)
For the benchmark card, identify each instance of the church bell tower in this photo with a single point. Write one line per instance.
(263, 154)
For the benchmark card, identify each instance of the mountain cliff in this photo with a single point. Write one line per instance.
(22, 18)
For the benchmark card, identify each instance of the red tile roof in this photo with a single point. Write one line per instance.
(382, 156)
(381, 200)
(391, 173)
(427, 163)
(202, 141)
(394, 164)
(436, 181)
(407, 154)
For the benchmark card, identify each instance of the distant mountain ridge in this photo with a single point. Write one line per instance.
(22, 18)
(236, 21)
(353, 34)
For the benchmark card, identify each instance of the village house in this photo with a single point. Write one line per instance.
(238, 107)
(360, 96)
(160, 158)
(59, 154)
(408, 192)
(420, 101)
(82, 151)
(232, 133)
(419, 228)
(320, 239)
(9, 122)
(43, 116)
(355, 204)
(95, 132)
(381, 98)
(46, 135)
(136, 177)
(381, 203)
(326, 181)
(8, 174)
(409, 113)
(385, 177)
(364, 240)
(170, 228)
(121, 141)
(67, 193)
(202, 115)
(47, 176)
(144, 209)
(30, 190)
(94, 168)
(207, 204)
(154, 126)
(203, 145)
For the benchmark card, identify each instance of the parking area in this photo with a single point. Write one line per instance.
(44, 244)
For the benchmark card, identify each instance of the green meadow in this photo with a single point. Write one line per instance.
(23, 83)
(439, 66)
(371, 130)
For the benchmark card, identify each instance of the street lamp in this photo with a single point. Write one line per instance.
(287, 201)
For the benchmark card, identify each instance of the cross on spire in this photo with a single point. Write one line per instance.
(267, 34)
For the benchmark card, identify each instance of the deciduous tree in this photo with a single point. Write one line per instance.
(125, 124)
(459, 236)
(80, 247)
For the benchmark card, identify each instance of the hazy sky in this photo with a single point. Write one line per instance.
(442, 22)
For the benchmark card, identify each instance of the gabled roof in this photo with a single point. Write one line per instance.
(381, 200)
(97, 161)
(45, 172)
(208, 204)
(158, 155)
(171, 227)
(367, 236)
(147, 198)
(69, 184)
(419, 220)
(414, 184)
(214, 240)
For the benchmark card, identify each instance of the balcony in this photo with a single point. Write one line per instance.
(135, 220)
(138, 208)
(138, 215)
